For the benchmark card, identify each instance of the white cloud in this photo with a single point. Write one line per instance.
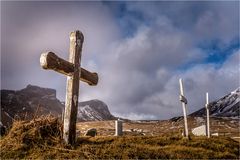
(138, 75)
(47, 29)
(202, 79)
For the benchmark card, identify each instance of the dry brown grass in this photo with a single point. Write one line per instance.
(41, 139)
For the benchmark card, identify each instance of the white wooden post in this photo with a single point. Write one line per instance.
(118, 127)
(207, 114)
(184, 105)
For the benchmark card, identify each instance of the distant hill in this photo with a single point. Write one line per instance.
(227, 106)
(94, 110)
(34, 101)
(28, 102)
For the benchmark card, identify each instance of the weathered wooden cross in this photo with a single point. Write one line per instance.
(184, 106)
(72, 69)
(207, 114)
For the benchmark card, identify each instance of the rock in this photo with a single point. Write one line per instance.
(127, 130)
(215, 134)
(143, 134)
(199, 131)
(91, 132)
(2, 130)
(135, 130)
(31, 101)
(139, 130)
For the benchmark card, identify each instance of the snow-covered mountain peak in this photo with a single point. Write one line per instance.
(236, 91)
(34, 99)
(227, 106)
(93, 110)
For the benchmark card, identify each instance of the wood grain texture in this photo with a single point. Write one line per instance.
(50, 60)
(75, 73)
(184, 106)
(72, 89)
(208, 118)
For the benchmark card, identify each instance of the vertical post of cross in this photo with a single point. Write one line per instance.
(184, 105)
(72, 89)
(207, 116)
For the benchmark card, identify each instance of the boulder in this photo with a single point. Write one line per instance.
(91, 132)
(2, 129)
(199, 131)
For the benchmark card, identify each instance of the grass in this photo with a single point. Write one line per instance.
(41, 139)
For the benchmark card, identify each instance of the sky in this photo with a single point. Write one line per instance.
(139, 50)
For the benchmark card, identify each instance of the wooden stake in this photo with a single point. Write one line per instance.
(71, 102)
(207, 115)
(184, 105)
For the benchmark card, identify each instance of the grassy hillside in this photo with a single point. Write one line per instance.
(41, 138)
(223, 126)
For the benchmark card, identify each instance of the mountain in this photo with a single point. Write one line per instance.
(227, 106)
(34, 101)
(28, 102)
(94, 110)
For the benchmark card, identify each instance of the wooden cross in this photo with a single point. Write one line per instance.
(184, 105)
(72, 69)
(207, 114)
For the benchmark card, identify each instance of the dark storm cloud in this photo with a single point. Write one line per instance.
(30, 28)
(138, 49)
(166, 43)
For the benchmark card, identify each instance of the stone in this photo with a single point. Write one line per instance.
(118, 128)
(2, 129)
(91, 132)
(199, 131)
(215, 134)
(143, 134)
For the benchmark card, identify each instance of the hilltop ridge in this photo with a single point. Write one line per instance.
(35, 101)
(227, 106)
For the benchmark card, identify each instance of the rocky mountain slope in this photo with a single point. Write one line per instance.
(28, 102)
(93, 110)
(34, 101)
(227, 106)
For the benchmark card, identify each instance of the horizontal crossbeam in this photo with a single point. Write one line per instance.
(207, 106)
(183, 99)
(50, 60)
